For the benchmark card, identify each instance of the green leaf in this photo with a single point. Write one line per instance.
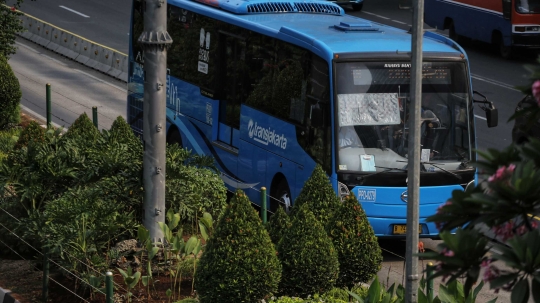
(145, 280)
(374, 291)
(355, 296)
(445, 295)
(204, 232)
(168, 293)
(166, 231)
(208, 221)
(135, 279)
(123, 273)
(191, 244)
(143, 234)
(422, 298)
(520, 293)
(152, 251)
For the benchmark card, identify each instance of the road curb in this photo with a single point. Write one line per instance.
(94, 55)
(5, 296)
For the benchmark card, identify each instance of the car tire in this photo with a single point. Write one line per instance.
(281, 197)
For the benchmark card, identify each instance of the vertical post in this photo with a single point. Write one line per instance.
(45, 289)
(48, 104)
(263, 205)
(429, 273)
(109, 287)
(154, 40)
(94, 116)
(413, 175)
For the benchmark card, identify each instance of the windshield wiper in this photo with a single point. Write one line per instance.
(437, 166)
(386, 169)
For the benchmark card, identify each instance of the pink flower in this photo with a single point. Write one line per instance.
(502, 173)
(447, 252)
(14, 9)
(536, 91)
(504, 231)
(491, 273)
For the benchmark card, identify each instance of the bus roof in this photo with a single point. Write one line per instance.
(328, 31)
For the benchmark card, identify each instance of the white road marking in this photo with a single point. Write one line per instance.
(480, 117)
(104, 82)
(494, 82)
(74, 11)
(27, 47)
(383, 17)
(52, 59)
(399, 22)
(369, 13)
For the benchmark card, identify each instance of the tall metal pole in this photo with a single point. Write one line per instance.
(154, 41)
(413, 190)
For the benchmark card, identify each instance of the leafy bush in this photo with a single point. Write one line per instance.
(8, 139)
(337, 293)
(359, 254)
(83, 130)
(191, 187)
(10, 95)
(309, 259)
(33, 132)
(319, 195)
(279, 222)
(239, 263)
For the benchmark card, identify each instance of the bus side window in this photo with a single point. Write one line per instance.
(507, 9)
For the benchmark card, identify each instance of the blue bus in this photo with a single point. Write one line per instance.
(272, 89)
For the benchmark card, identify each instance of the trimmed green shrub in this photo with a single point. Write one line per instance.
(192, 189)
(83, 129)
(10, 95)
(121, 132)
(239, 263)
(336, 293)
(32, 132)
(319, 195)
(279, 222)
(309, 259)
(8, 139)
(359, 254)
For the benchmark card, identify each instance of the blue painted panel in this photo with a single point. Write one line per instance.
(224, 134)
(374, 195)
(186, 98)
(235, 137)
(252, 167)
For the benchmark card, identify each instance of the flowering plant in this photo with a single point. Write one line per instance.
(504, 207)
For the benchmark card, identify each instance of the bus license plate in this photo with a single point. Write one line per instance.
(402, 229)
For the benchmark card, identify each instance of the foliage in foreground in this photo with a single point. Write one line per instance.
(359, 254)
(309, 259)
(504, 207)
(239, 263)
(10, 91)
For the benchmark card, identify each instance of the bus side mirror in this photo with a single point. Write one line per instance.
(492, 116)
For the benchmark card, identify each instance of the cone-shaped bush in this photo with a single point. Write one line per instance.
(279, 222)
(239, 263)
(10, 95)
(359, 253)
(121, 132)
(83, 129)
(319, 195)
(33, 132)
(309, 259)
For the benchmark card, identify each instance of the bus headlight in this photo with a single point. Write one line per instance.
(343, 190)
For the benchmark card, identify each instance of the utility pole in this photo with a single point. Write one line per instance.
(155, 41)
(413, 175)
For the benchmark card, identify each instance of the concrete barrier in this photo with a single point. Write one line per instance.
(84, 51)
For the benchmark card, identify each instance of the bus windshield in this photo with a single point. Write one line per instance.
(528, 6)
(373, 103)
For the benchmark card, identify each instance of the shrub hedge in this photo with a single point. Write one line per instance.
(239, 263)
(278, 223)
(10, 95)
(359, 253)
(309, 259)
(319, 195)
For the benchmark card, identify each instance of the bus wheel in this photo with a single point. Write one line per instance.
(452, 33)
(281, 197)
(174, 137)
(357, 6)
